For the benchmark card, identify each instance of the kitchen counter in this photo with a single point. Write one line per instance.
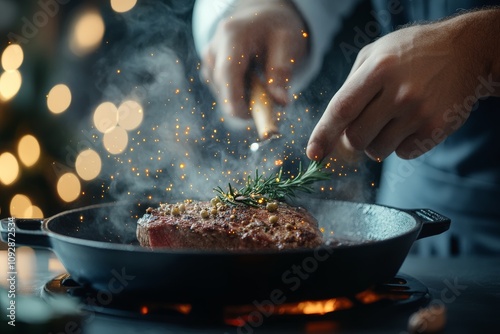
(469, 288)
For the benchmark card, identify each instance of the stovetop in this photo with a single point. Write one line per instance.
(468, 288)
(401, 292)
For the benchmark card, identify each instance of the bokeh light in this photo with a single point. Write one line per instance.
(130, 115)
(9, 170)
(68, 187)
(28, 150)
(115, 140)
(10, 83)
(122, 6)
(88, 164)
(33, 212)
(20, 205)
(88, 32)
(105, 116)
(59, 98)
(12, 57)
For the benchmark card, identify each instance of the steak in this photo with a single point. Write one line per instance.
(216, 226)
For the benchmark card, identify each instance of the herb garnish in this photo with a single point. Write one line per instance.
(259, 190)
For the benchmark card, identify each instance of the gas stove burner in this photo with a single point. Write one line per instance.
(401, 292)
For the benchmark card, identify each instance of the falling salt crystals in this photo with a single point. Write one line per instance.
(430, 319)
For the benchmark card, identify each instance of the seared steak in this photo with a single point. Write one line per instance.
(216, 226)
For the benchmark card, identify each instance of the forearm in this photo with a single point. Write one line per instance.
(491, 28)
(477, 36)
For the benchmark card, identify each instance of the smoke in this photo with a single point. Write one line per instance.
(183, 149)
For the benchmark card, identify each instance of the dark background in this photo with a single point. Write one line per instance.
(157, 27)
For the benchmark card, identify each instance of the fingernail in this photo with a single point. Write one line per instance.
(314, 151)
(374, 155)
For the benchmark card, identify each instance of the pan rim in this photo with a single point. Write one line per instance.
(113, 246)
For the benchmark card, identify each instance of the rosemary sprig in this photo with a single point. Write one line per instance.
(259, 190)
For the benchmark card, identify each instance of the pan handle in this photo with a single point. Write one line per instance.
(21, 231)
(432, 222)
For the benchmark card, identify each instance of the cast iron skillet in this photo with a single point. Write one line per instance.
(97, 247)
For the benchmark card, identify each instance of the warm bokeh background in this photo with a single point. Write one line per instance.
(57, 122)
(102, 100)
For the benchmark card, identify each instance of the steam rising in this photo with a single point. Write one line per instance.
(183, 147)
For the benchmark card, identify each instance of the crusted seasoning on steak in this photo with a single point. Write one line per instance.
(216, 226)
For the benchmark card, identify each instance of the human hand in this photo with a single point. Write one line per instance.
(406, 92)
(257, 35)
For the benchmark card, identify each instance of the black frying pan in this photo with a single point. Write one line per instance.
(97, 246)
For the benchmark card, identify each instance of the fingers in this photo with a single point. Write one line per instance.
(278, 77)
(385, 122)
(229, 78)
(271, 42)
(225, 70)
(405, 131)
(389, 139)
(281, 59)
(422, 141)
(347, 104)
(360, 59)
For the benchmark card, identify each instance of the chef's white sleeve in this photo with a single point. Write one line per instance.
(323, 19)
(206, 15)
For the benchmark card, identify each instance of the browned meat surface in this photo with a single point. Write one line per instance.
(215, 226)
